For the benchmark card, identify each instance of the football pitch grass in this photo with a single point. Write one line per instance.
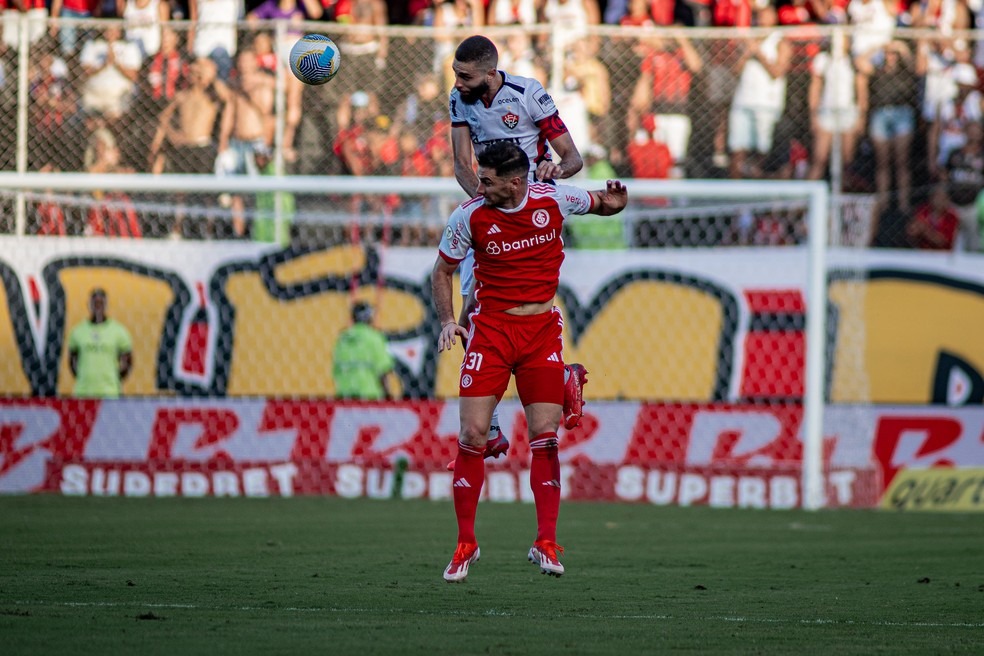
(334, 576)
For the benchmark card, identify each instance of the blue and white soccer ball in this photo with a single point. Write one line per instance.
(315, 59)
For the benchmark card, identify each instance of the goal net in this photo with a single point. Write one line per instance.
(742, 351)
(696, 320)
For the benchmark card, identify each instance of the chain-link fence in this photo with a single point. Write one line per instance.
(885, 118)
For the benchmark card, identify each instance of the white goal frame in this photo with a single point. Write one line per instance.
(818, 214)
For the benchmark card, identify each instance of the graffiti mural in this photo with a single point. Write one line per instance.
(231, 319)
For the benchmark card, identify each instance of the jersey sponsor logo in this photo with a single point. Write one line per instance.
(496, 248)
(466, 380)
(505, 101)
(541, 218)
(545, 100)
(511, 120)
(494, 230)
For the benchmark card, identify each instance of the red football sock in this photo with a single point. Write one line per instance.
(469, 476)
(545, 482)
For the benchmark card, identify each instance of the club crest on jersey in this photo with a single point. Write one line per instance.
(511, 120)
(541, 218)
(466, 380)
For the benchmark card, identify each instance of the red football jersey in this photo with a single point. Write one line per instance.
(518, 252)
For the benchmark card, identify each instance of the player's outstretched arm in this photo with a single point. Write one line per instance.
(611, 200)
(441, 288)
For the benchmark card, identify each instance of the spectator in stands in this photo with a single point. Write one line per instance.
(892, 89)
(806, 12)
(53, 107)
(570, 19)
(213, 31)
(351, 145)
(940, 62)
(266, 56)
(142, 20)
(113, 215)
(949, 131)
(361, 361)
(67, 34)
(874, 23)
(414, 163)
(519, 58)
(423, 108)
(165, 74)
(594, 85)
(37, 16)
(354, 119)
(295, 13)
(944, 17)
(663, 89)
(100, 352)
(111, 66)
(638, 13)
(513, 12)
(648, 157)
(247, 128)
(760, 97)
(838, 105)
(934, 223)
(732, 13)
(364, 53)
(184, 140)
(964, 174)
(449, 15)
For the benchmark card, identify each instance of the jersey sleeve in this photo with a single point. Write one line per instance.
(457, 236)
(454, 110)
(383, 359)
(539, 103)
(573, 200)
(74, 340)
(124, 343)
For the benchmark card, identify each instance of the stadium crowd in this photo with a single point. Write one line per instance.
(189, 86)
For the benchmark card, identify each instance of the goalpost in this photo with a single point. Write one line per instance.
(652, 202)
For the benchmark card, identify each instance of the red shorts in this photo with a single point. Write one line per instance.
(531, 347)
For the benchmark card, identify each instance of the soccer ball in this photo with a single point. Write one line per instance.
(314, 59)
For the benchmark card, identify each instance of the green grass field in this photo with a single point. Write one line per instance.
(330, 576)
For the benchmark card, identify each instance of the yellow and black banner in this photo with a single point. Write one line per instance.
(936, 489)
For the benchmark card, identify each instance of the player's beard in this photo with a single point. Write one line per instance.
(472, 96)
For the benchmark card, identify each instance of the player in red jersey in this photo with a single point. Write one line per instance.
(487, 106)
(514, 228)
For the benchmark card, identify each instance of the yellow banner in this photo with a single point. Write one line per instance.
(936, 489)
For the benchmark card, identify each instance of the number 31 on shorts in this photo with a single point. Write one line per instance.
(473, 361)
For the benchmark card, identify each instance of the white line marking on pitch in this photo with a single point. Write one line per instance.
(490, 612)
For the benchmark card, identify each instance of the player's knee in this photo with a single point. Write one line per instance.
(474, 434)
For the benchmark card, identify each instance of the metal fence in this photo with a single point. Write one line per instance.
(877, 115)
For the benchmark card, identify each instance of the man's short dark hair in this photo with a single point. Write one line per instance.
(362, 312)
(477, 49)
(506, 159)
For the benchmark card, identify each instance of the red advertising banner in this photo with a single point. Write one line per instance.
(727, 455)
